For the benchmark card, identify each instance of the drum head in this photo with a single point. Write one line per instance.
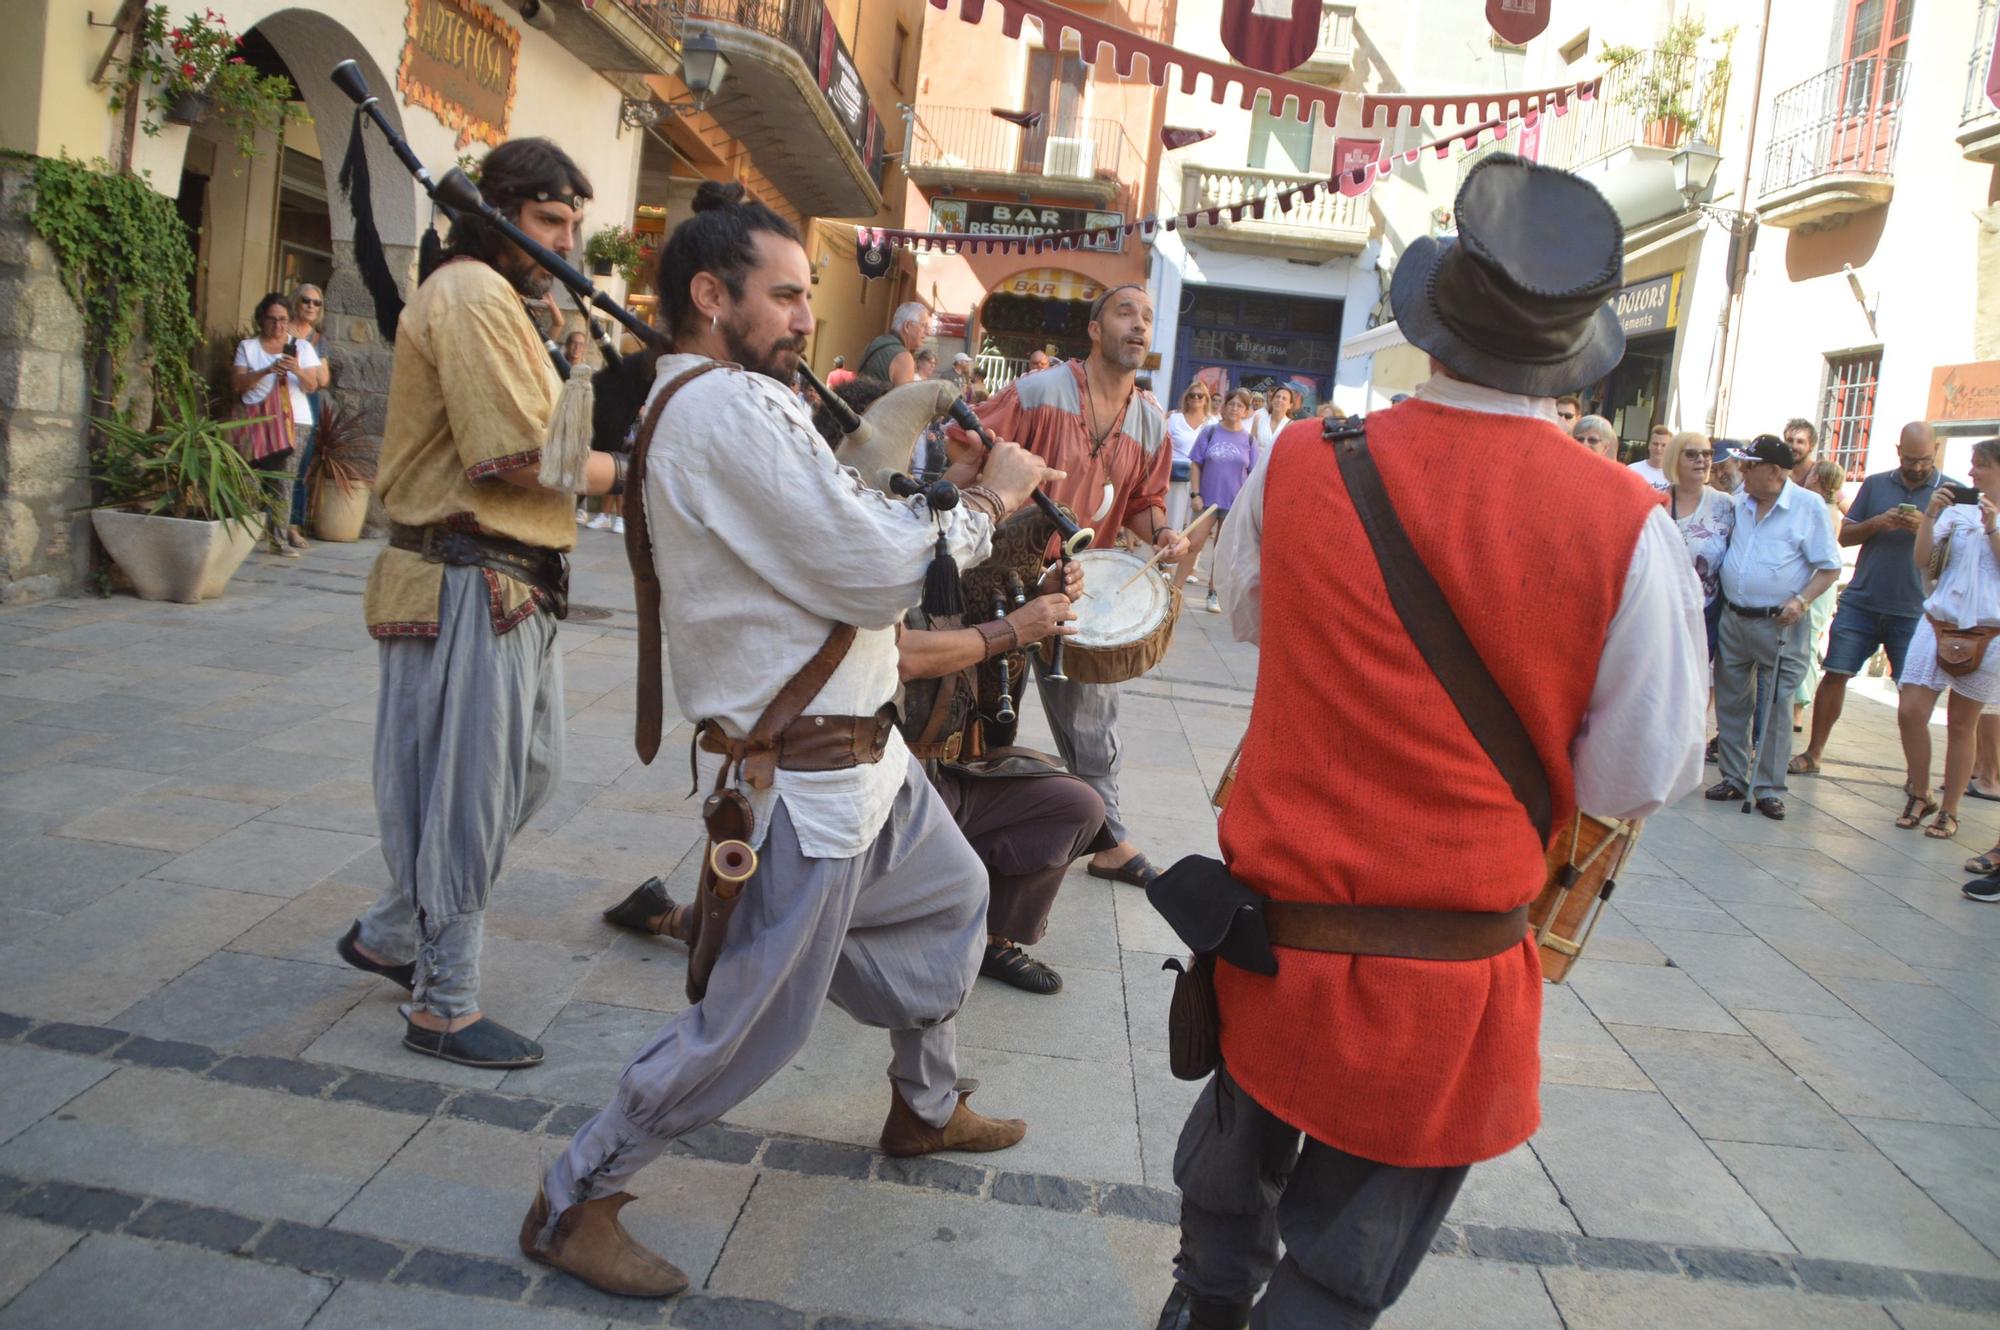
(1110, 617)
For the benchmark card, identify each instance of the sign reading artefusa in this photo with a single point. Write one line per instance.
(459, 63)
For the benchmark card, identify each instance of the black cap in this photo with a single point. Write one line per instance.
(1764, 448)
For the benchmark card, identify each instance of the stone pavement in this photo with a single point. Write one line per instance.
(1772, 1089)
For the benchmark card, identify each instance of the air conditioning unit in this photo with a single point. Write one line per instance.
(1070, 159)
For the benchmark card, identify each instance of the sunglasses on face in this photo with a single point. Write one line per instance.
(304, 303)
(1693, 456)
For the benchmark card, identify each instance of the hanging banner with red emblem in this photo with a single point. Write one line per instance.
(1518, 21)
(1351, 160)
(1175, 136)
(1276, 36)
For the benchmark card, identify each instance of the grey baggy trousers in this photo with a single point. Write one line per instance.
(468, 747)
(894, 936)
(1083, 717)
(1743, 648)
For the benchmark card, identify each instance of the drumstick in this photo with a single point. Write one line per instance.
(1192, 527)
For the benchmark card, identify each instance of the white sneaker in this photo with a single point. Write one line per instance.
(617, 526)
(1214, 606)
(601, 522)
(582, 515)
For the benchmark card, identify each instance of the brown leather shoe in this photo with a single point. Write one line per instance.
(592, 1245)
(907, 1134)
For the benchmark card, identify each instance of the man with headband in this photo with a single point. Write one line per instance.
(1086, 418)
(781, 582)
(464, 600)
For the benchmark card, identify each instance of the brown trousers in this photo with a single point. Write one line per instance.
(1027, 830)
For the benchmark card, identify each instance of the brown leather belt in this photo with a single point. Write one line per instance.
(812, 743)
(1387, 930)
(947, 751)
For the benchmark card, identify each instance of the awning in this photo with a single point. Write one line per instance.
(1049, 284)
(1379, 338)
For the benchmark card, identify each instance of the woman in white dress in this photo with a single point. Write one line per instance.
(1967, 597)
(1182, 426)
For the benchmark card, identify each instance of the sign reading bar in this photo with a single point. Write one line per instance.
(459, 64)
(1650, 306)
(977, 217)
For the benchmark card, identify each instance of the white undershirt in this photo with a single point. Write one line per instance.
(1639, 747)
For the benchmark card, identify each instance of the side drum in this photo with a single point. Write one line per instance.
(1123, 626)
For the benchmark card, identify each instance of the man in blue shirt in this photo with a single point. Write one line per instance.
(1884, 598)
(1781, 558)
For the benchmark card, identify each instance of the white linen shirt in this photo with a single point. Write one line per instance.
(250, 354)
(763, 542)
(1771, 558)
(1968, 591)
(1639, 747)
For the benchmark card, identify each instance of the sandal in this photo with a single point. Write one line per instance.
(1982, 864)
(1916, 809)
(1010, 965)
(1944, 828)
(1136, 871)
(1802, 766)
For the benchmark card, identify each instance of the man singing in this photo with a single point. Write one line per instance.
(782, 581)
(469, 728)
(1086, 418)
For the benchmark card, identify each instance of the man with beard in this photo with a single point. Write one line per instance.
(781, 580)
(464, 600)
(1086, 418)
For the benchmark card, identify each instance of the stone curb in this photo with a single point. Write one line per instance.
(97, 1209)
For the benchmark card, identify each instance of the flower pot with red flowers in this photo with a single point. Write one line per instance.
(183, 72)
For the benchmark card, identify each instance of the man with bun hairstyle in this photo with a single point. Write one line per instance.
(464, 601)
(1370, 1057)
(781, 582)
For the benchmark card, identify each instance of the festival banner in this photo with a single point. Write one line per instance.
(1178, 136)
(1517, 21)
(1351, 160)
(1276, 36)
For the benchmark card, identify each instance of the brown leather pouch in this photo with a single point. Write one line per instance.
(1960, 651)
(1194, 1019)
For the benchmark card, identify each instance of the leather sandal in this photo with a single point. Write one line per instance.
(1010, 965)
(905, 1134)
(484, 1043)
(1801, 765)
(638, 910)
(349, 948)
(1916, 808)
(1982, 864)
(1944, 828)
(1136, 871)
(588, 1243)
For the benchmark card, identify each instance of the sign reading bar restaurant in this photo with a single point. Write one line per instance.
(1650, 306)
(459, 64)
(978, 217)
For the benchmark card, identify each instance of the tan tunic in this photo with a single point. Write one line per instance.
(469, 400)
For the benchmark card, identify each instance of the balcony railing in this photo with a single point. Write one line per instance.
(1654, 98)
(1977, 108)
(796, 23)
(1328, 221)
(662, 16)
(972, 138)
(1840, 122)
(1334, 55)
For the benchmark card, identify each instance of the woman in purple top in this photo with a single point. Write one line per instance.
(1221, 458)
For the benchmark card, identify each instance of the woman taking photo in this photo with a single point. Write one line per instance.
(1182, 426)
(273, 374)
(1963, 537)
(308, 317)
(1219, 463)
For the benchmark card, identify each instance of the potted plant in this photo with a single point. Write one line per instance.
(341, 473)
(1668, 85)
(182, 508)
(615, 247)
(188, 70)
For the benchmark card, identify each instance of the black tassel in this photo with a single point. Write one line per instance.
(368, 255)
(430, 254)
(942, 593)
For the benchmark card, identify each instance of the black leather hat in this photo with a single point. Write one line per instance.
(1521, 301)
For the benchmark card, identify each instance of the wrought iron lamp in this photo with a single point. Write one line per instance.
(703, 69)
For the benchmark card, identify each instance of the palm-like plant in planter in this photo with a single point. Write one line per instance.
(182, 508)
(341, 473)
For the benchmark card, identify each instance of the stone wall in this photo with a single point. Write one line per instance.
(44, 410)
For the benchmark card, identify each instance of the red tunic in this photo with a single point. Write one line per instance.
(1360, 784)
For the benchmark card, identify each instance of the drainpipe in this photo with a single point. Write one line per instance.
(1740, 244)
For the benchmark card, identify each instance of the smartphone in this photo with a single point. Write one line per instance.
(1963, 494)
(292, 347)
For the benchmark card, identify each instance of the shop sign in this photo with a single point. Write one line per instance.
(1650, 306)
(840, 83)
(1051, 284)
(459, 64)
(1246, 348)
(949, 325)
(977, 217)
(1964, 394)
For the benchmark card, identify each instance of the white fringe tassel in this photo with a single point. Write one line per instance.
(566, 450)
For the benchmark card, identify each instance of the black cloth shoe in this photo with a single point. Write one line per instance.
(1984, 889)
(1010, 965)
(350, 951)
(1772, 806)
(1188, 1310)
(1709, 754)
(638, 910)
(484, 1043)
(1723, 791)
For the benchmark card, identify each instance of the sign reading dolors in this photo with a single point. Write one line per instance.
(978, 217)
(1650, 306)
(460, 63)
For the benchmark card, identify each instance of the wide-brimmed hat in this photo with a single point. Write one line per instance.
(1520, 301)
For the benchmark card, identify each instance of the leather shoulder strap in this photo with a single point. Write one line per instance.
(1427, 616)
(803, 687)
(645, 577)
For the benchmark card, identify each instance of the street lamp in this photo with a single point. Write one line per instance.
(703, 68)
(1694, 171)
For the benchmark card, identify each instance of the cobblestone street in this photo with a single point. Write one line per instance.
(1771, 1089)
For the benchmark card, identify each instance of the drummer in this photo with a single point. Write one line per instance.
(1085, 417)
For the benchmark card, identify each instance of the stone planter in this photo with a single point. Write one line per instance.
(188, 108)
(173, 558)
(339, 513)
(1665, 132)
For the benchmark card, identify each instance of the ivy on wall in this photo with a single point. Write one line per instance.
(125, 260)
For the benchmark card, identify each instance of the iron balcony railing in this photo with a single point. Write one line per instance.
(1336, 33)
(1841, 121)
(662, 16)
(1653, 98)
(972, 138)
(1328, 213)
(1977, 108)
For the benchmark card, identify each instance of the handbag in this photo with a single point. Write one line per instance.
(1960, 651)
